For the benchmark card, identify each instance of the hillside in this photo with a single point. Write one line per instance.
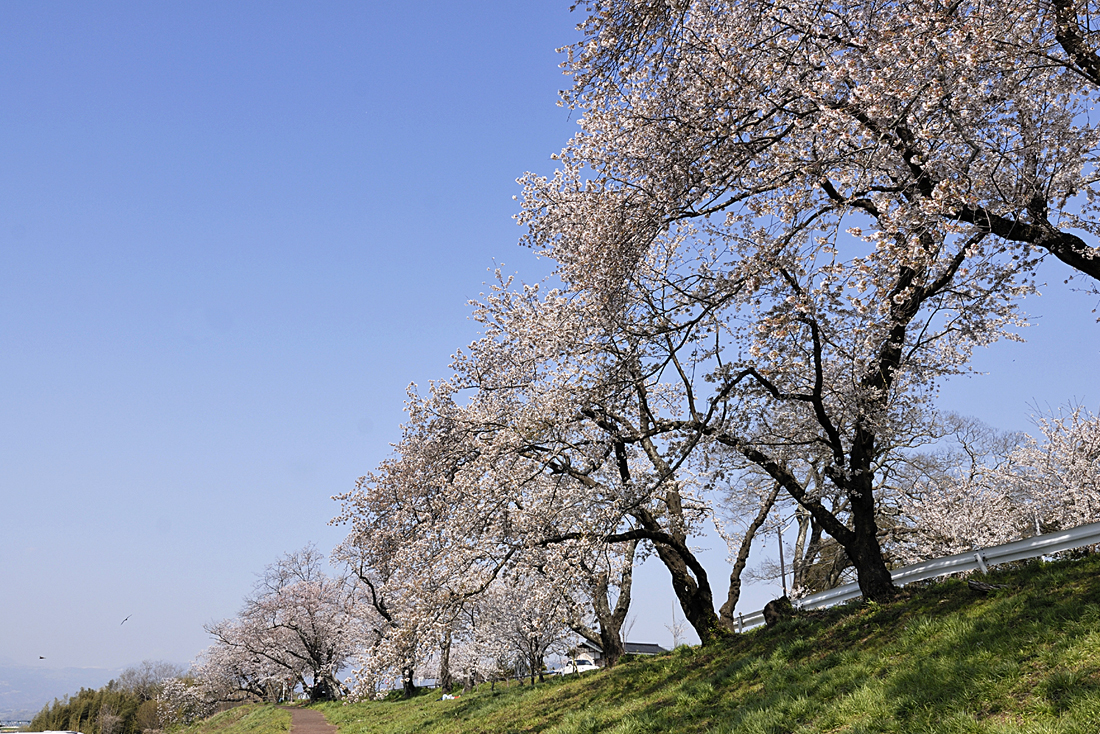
(25, 689)
(942, 658)
(247, 719)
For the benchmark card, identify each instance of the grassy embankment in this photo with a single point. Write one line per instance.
(940, 659)
(248, 719)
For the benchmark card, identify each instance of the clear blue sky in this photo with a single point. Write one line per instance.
(230, 235)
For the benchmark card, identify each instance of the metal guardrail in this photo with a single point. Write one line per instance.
(980, 560)
(750, 620)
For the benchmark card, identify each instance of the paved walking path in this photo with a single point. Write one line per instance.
(308, 721)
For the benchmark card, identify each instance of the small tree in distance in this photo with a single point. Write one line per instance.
(293, 628)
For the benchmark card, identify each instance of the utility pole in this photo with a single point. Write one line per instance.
(782, 567)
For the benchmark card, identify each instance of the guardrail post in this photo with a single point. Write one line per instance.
(981, 562)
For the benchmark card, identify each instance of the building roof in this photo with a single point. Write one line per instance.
(642, 648)
(631, 648)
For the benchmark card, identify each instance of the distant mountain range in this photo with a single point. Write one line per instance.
(25, 689)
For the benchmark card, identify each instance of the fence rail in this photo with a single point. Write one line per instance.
(980, 560)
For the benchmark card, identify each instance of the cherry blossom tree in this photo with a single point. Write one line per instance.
(1060, 468)
(851, 196)
(508, 630)
(986, 487)
(607, 580)
(184, 700)
(395, 623)
(230, 671)
(294, 625)
(971, 116)
(478, 651)
(529, 617)
(950, 500)
(577, 436)
(430, 545)
(560, 386)
(779, 226)
(424, 537)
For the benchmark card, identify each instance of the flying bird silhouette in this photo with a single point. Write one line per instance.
(41, 657)
(124, 621)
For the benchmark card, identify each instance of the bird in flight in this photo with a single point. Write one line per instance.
(124, 621)
(41, 657)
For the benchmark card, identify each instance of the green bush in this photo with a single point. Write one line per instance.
(109, 710)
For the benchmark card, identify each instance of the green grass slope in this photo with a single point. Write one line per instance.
(247, 719)
(940, 659)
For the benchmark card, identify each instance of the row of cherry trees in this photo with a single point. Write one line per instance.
(779, 227)
(302, 625)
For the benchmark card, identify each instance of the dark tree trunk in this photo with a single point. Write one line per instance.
(446, 680)
(611, 642)
(611, 621)
(860, 542)
(323, 688)
(408, 682)
(862, 545)
(536, 662)
(872, 575)
(695, 597)
(609, 638)
(689, 578)
(865, 553)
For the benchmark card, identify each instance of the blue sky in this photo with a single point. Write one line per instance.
(230, 235)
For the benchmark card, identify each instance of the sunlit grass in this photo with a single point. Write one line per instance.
(940, 659)
(248, 719)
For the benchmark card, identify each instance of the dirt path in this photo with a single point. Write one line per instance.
(308, 721)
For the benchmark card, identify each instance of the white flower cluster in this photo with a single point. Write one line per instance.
(182, 701)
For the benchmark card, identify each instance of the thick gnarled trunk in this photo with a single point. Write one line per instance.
(694, 595)
(446, 680)
(862, 546)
